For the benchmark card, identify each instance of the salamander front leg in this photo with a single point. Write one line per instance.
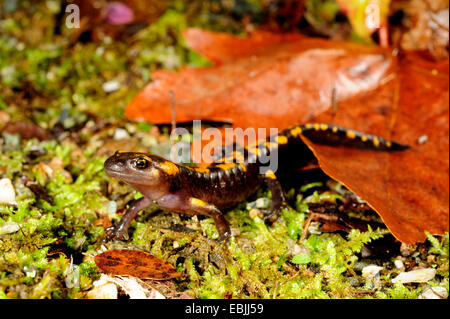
(120, 231)
(278, 198)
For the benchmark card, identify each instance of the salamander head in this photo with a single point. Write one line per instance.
(139, 168)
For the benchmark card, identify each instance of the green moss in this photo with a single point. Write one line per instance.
(399, 291)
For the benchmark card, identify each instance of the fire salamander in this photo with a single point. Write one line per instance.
(210, 189)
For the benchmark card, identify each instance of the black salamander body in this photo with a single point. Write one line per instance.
(209, 189)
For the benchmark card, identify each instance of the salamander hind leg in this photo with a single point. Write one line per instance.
(183, 203)
(278, 198)
(210, 210)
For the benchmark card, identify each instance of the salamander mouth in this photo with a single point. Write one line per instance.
(116, 174)
(115, 168)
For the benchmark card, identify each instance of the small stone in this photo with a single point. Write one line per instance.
(308, 273)
(4, 118)
(407, 250)
(418, 275)
(72, 279)
(9, 228)
(353, 281)
(111, 86)
(30, 271)
(103, 289)
(434, 293)
(111, 207)
(100, 51)
(371, 271)
(235, 231)
(7, 192)
(399, 264)
(121, 134)
(118, 13)
(262, 203)
(11, 141)
(422, 139)
(253, 213)
(296, 249)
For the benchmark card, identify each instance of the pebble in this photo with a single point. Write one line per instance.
(260, 203)
(4, 118)
(103, 289)
(120, 134)
(371, 271)
(111, 207)
(296, 249)
(7, 192)
(9, 228)
(398, 264)
(422, 139)
(30, 271)
(434, 293)
(407, 250)
(111, 86)
(235, 231)
(253, 213)
(418, 275)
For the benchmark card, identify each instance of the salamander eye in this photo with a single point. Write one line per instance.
(141, 163)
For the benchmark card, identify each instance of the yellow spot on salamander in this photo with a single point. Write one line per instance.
(280, 139)
(253, 149)
(334, 129)
(296, 131)
(351, 134)
(309, 125)
(154, 172)
(255, 143)
(226, 166)
(201, 168)
(169, 168)
(198, 202)
(388, 143)
(270, 174)
(323, 127)
(376, 142)
(316, 126)
(237, 156)
(271, 145)
(363, 138)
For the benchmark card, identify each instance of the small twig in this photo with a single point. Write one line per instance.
(174, 114)
(274, 295)
(174, 125)
(290, 278)
(383, 34)
(305, 228)
(21, 230)
(334, 102)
